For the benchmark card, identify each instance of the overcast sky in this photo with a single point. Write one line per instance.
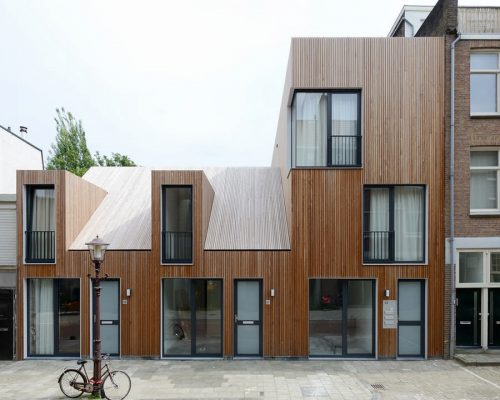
(184, 83)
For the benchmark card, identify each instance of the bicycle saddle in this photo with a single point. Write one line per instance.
(81, 362)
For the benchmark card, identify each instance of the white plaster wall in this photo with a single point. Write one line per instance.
(15, 154)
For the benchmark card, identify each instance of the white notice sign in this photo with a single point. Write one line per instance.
(390, 314)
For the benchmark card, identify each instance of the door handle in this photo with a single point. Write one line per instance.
(235, 318)
(465, 323)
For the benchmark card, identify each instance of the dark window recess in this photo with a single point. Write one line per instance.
(39, 237)
(394, 224)
(326, 128)
(177, 224)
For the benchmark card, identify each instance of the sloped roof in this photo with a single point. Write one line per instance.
(248, 211)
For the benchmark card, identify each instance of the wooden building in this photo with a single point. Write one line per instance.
(335, 251)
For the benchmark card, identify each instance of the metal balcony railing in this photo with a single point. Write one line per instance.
(378, 246)
(40, 246)
(345, 151)
(177, 247)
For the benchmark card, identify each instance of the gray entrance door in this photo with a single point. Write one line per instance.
(248, 318)
(411, 318)
(6, 324)
(110, 317)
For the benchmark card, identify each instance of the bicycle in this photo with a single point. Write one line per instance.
(114, 385)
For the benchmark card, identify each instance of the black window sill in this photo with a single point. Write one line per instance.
(330, 167)
(41, 261)
(485, 116)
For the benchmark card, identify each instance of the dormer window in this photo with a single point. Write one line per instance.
(40, 225)
(177, 224)
(326, 129)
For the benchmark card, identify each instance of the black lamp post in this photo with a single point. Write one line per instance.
(97, 248)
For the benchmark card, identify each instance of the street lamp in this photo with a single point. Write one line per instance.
(97, 248)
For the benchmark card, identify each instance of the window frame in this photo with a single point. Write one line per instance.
(392, 239)
(329, 165)
(171, 261)
(486, 268)
(485, 71)
(29, 191)
(484, 211)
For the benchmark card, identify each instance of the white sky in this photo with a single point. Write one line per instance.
(184, 83)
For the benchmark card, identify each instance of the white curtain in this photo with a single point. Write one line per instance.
(408, 223)
(344, 123)
(41, 303)
(311, 123)
(43, 224)
(379, 224)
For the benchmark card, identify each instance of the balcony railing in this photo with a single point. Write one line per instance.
(177, 247)
(345, 151)
(40, 246)
(378, 246)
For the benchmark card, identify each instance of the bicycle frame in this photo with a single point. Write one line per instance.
(88, 385)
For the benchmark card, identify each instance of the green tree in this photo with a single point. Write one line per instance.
(115, 160)
(70, 151)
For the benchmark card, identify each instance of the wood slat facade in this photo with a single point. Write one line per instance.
(401, 81)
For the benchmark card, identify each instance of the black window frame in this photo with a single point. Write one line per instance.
(30, 190)
(329, 135)
(164, 258)
(391, 234)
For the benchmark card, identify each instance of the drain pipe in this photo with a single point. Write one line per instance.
(452, 201)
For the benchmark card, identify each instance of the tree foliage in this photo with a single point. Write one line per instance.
(70, 151)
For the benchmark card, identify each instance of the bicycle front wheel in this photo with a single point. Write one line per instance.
(116, 385)
(71, 381)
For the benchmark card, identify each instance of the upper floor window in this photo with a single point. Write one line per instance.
(40, 224)
(484, 81)
(484, 170)
(326, 129)
(394, 224)
(478, 267)
(177, 224)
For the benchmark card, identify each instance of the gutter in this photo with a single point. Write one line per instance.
(452, 200)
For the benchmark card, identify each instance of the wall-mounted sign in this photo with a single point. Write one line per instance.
(390, 309)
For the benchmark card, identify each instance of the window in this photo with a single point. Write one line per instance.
(326, 129)
(177, 229)
(53, 317)
(40, 225)
(484, 170)
(192, 317)
(484, 81)
(394, 224)
(478, 268)
(341, 318)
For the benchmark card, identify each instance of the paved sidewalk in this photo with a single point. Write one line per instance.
(262, 379)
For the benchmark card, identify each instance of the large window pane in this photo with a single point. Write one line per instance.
(177, 316)
(484, 158)
(325, 317)
(470, 267)
(377, 236)
(410, 302)
(69, 316)
(483, 93)
(495, 267)
(409, 223)
(41, 316)
(310, 111)
(409, 340)
(177, 224)
(483, 189)
(483, 61)
(360, 317)
(208, 316)
(344, 134)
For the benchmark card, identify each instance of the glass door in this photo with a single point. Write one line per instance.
(411, 318)
(468, 325)
(494, 318)
(110, 317)
(248, 318)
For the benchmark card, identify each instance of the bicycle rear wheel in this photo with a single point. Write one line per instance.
(69, 379)
(116, 386)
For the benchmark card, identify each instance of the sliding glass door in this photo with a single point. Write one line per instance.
(53, 317)
(341, 318)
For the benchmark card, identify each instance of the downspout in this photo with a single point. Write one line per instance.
(452, 200)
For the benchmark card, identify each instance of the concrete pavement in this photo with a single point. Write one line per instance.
(269, 379)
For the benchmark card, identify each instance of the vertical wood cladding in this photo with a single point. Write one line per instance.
(401, 82)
